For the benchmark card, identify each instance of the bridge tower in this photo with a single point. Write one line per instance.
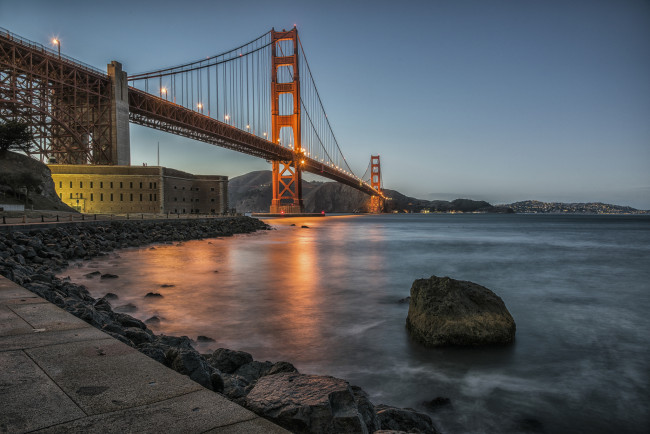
(287, 176)
(376, 202)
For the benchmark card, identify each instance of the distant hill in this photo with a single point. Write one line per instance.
(18, 171)
(252, 193)
(537, 207)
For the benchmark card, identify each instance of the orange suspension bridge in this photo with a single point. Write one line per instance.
(259, 99)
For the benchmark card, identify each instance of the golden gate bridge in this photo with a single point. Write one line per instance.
(259, 99)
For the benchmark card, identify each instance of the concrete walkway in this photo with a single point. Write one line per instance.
(60, 374)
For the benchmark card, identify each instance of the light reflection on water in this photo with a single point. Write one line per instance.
(326, 299)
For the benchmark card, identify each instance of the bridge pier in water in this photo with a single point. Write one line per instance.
(287, 175)
(376, 202)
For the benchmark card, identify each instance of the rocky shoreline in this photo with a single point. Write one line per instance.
(277, 391)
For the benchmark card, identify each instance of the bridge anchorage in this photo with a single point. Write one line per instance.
(259, 98)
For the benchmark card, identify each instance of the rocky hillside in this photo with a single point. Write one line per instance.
(18, 172)
(252, 193)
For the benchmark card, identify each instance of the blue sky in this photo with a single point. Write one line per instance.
(494, 100)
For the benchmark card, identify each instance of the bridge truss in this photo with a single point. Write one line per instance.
(259, 98)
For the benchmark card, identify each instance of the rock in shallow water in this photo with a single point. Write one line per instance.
(404, 420)
(444, 311)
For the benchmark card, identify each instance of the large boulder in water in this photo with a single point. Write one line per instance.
(307, 403)
(444, 311)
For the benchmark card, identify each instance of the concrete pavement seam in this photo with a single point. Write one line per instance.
(53, 381)
(234, 423)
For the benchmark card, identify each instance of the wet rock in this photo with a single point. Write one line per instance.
(229, 361)
(307, 403)
(111, 296)
(304, 227)
(190, 363)
(280, 367)
(128, 308)
(153, 320)
(444, 311)
(404, 300)
(109, 276)
(167, 285)
(91, 275)
(404, 419)
(103, 305)
(201, 338)
(129, 321)
(366, 409)
(252, 371)
(153, 295)
(137, 335)
(437, 402)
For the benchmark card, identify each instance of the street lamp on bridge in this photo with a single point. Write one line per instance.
(57, 42)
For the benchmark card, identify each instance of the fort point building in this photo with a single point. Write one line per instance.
(138, 189)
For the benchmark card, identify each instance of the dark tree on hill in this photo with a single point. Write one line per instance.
(15, 136)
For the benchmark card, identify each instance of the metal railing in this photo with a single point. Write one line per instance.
(49, 218)
(36, 46)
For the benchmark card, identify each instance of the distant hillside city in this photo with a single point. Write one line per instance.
(537, 207)
(252, 193)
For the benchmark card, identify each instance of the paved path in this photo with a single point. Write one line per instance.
(60, 374)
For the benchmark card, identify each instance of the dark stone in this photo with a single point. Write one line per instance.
(109, 276)
(103, 305)
(366, 409)
(190, 363)
(93, 274)
(404, 300)
(404, 419)
(437, 402)
(153, 320)
(304, 227)
(229, 361)
(167, 285)
(129, 307)
(280, 367)
(201, 338)
(306, 403)
(444, 311)
(252, 371)
(137, 335)
(153, 295)
(128, 321)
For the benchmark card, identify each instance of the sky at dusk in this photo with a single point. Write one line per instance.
(493, 100)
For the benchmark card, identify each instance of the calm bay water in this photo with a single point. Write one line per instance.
(326, 299)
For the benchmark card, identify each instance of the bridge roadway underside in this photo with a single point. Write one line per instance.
(154, 112)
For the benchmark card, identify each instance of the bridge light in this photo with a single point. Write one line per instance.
(265, 134)
(57, 42)
(248, 127)
(199, 105)
(302, 162)
(227, 117)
